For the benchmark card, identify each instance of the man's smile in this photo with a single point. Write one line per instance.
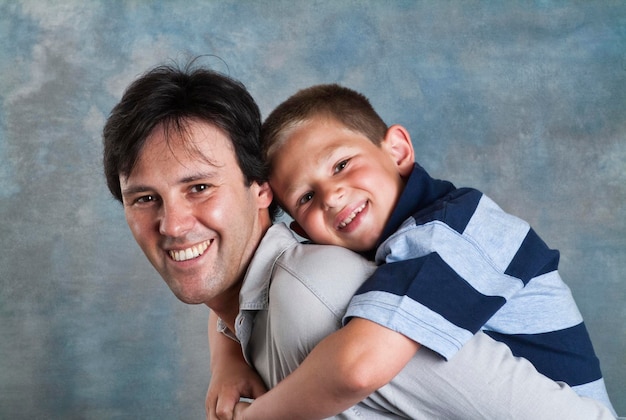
(189, 253)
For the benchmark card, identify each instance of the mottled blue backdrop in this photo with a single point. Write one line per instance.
(523, 100)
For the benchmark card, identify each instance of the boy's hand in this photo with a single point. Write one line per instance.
(227, 386)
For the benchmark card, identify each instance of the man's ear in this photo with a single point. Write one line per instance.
(295, 226)
(397, 143)
(264, 194)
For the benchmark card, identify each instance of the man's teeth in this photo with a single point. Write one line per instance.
(189, 253)
(350, 218)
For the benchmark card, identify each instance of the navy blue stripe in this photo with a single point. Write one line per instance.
(431, 282)
(565, 355)
(461, 207)
(532, 259)
(420, 192)
(455, 209)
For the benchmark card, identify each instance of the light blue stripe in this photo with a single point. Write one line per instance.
(461, 253)
(544, 305)
(408, 317)
(499, 234)
(597, 391)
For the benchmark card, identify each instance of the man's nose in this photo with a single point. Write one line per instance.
(176, 219)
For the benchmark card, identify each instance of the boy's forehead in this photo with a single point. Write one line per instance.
(311, 147)
(320, 133)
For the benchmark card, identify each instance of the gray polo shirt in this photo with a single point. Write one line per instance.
(294, 295)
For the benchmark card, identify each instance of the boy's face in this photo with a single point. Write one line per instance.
(339, 186)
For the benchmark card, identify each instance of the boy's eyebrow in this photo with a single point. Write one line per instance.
(291, 189)
(325, 155)
(327, 152)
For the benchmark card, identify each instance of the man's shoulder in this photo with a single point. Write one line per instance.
(325, 261)
(311, 272)
(307, 275)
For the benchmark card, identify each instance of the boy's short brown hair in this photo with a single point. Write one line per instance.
(347, 106)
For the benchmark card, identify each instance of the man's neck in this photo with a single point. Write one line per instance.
(227, 305)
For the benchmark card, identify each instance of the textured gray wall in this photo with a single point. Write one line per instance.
(524, 100)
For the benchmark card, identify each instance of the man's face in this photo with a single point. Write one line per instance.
(192, 214)
(339, 186)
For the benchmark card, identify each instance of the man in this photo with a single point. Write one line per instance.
(181, 152)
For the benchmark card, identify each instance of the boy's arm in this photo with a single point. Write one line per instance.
(231, 376)
(340, 371)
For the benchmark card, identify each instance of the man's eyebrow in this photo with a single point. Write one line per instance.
(135, 189)
(198, 177)
(203, 176)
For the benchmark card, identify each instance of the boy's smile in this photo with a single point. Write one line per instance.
(345, 223)
(339, 186)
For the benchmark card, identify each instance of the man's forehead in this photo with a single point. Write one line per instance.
(189, 141)
(199, 149)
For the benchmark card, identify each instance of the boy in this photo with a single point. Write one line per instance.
(451, 262)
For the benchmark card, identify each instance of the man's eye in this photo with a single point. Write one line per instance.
(341, 165)
(199, 188)
(145, 199)
(306, 198)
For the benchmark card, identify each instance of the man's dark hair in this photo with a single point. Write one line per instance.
(170, 97)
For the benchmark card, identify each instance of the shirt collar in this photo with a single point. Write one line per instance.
(254, 294)
(420, 191)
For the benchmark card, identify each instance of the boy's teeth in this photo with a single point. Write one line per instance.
(350, 218)
(189, 253)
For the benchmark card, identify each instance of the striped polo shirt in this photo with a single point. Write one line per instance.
(451, 263)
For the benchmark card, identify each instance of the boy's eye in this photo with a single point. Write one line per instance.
(306, 198)
(341, 165)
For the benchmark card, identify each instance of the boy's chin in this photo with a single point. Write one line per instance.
(363, 246)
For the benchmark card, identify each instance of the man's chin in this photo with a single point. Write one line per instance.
(189, 296)
(189, 299)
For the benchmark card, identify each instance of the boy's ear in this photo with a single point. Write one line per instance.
(295, 226)
(397, 143)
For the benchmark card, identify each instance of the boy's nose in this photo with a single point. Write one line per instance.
(332, 197)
